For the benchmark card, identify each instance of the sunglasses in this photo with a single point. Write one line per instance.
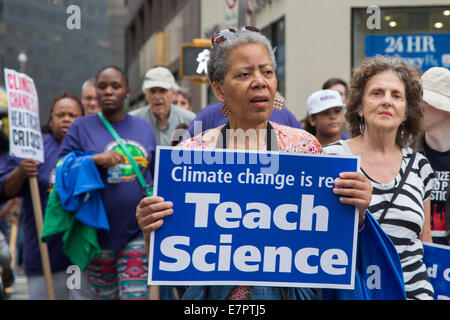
(223, 35)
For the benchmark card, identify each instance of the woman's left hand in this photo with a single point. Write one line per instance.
(354, 189)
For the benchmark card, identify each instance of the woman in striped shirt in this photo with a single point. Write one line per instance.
(384, 113)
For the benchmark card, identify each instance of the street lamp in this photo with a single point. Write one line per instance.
(23, 58)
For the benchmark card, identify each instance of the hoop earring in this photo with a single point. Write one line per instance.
(225, 111)
(362, 126)
(402, 131)
(278, 102)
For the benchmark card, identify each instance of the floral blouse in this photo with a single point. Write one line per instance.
(290, 140)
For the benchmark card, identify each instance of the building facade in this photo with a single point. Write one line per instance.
(63, 45)
(317, 40)
(314, 40)
(155, 31)
(117, 20)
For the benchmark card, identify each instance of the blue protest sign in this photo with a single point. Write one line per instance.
(248, 218)
(437, 260)
(420, 50)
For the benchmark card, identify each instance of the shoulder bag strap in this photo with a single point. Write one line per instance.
(222, 140)
(133, 163)
(399, 187)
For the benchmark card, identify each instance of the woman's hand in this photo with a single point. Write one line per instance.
(14, 181)
(354, 189)
(108, 159)
(28, 168)
(150, 214)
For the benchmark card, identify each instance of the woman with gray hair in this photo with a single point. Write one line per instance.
(242, 72)
(384, 112)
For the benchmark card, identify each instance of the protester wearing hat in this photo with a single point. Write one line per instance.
(435, 145)
(159, 86)
(325, 116)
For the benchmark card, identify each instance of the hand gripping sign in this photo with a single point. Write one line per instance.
(26, 142)
(241, 219)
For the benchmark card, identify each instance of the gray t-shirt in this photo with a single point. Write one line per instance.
(164, 135)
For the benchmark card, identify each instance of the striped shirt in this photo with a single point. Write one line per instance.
(404, 220)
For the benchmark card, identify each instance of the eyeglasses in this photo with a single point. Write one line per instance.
(223, 35)
(89, 98)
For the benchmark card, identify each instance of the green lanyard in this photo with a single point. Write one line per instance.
(144, 185)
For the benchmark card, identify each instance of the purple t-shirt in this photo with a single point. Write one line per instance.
(120, 197)
(211, 117)
(31, 253)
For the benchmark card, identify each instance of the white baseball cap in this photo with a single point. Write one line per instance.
(436, 88)
(159, 77)
(322, 100)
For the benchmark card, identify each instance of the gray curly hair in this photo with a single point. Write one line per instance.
(369, 67)
(218, 63)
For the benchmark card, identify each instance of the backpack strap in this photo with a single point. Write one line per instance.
(148, 191)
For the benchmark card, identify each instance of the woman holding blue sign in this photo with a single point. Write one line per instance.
(384, 112)
(13, 182)
(242, 71)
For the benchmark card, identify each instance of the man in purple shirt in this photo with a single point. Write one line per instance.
(211, 117)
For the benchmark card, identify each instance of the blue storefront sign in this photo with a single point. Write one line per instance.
(420, 50)
(437, 260)
(247, 218)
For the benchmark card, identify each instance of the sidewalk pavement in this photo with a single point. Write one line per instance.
(18, 291)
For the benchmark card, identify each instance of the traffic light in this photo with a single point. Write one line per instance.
(193, 57)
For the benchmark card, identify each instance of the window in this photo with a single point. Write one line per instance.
(275, 32)
(420, 35)
(147, 19)
(131, 42)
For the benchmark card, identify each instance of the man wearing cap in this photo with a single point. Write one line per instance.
(435, 145)
(325, 116)
(158, 86)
